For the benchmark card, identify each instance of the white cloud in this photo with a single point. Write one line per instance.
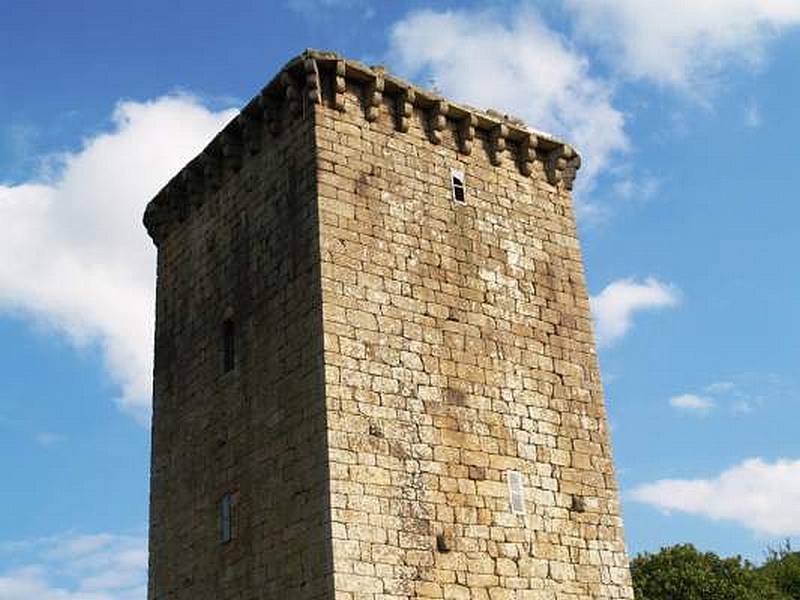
(636, 190)
(692, 403)
(721, 387)
(47, 439)
(682, 43)
(75, 567)
(516, 64)
(614, 307)
(752, 115)
(76, 256)
(764, 497)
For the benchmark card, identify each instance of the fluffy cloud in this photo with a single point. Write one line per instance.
(692, 403)
(682, 43)
(764, 497)
(613, 308)
(515, 64)
(47, 439)
(88, 567)
(76, 256)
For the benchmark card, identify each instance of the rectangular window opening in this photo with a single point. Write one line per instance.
(227, 515)
(459, 191)
(516, 492)
(228, 346)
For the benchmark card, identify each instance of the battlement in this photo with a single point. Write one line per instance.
(323, 78)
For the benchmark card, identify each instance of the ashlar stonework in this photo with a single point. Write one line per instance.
(375, 374)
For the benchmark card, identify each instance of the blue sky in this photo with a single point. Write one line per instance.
(685, 113)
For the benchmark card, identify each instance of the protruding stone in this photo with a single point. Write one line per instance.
(374, 97)
(251, 128)
(271, 112)
(405, 109)
(291, 93)
(232, 148)
(527, 154)
(212, 169)
(571, 170)
(498, 143)
(561, 164)
(313, 90)
(466, 133)
(339, 85)
(438, 120)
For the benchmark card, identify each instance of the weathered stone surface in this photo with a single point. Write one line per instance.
(400, 357)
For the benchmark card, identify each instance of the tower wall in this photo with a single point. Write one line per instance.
(246, 253)
(458, 347)
(399, 357)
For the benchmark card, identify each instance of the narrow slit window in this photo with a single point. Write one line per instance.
(459, 191)
(228, 346)
(516, 492)
(227, 511)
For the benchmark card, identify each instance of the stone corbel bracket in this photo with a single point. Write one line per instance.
(438, 115)
(374, 96)
(527, 154)
(313, 85)
(291, 93)
(405, 109)
(232, 148)
(251, 124)
(211, 161)
(339, 84)
(466, 133)
(561, 164)
(497, 143)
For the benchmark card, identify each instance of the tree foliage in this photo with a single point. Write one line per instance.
(683, 573)
(782, 568)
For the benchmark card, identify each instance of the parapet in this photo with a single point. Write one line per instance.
(317, 77)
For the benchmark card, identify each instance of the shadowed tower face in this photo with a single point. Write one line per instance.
(375, 374)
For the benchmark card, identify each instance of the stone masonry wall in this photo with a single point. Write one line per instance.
(249, 253)
(458, 347)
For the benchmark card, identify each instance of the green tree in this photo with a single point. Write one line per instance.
(682, 573)
(782, 568)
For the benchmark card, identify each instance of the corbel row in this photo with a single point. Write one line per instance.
(301, 85)
(560, 163)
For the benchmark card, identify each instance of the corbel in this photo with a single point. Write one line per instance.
(232, 147)
(498, 143)
(466, 132)
(156, 219)
(374, 96)
(339, 85)
(271, 113)
(192, 179)
(405, 109)
(250, 126)
(571, 170)
(290, 93)
(438, 120)
(313, 91)
(212, 169)
(557, 164)
(527, 153)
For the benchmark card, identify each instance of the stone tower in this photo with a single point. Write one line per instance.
(375, 375)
